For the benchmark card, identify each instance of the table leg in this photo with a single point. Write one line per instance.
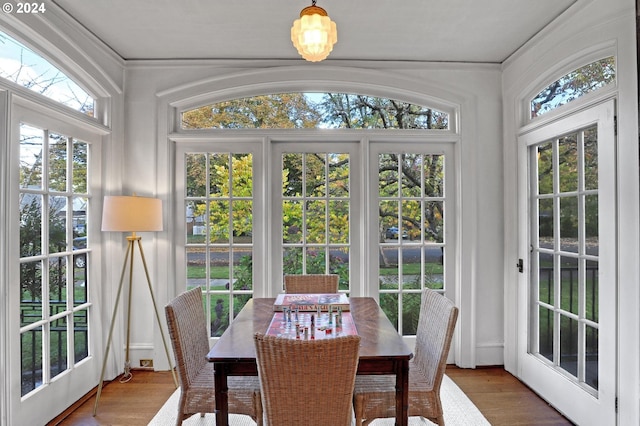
(402, 393)
(221, 389)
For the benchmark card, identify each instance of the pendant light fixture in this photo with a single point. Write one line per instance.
(314, 34)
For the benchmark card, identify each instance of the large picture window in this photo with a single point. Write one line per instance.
(321, 191)
(218, 238)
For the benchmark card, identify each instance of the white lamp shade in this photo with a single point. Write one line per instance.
(131, 214)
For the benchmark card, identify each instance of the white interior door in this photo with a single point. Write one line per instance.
(567, 290)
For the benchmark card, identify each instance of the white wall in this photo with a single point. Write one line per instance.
(606, 25)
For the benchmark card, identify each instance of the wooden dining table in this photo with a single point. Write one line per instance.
(382, 350)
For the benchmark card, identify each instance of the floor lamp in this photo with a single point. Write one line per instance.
(131, 214)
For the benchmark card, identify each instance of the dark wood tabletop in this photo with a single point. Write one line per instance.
(382, 350)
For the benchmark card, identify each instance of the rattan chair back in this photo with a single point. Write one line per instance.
(186, 322)
(311, 283)
(374, 396)
(307, 382)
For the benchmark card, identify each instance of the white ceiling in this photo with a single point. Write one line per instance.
(412, 30)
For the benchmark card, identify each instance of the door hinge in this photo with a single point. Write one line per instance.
(520, 265)
(616, 405)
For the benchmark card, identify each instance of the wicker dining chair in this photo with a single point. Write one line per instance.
(375, 396)
(186, 321)
(311, 283)
(307, 382)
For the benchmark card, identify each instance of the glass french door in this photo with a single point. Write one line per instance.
(221, 211)
(568, 308)
(315, 202)
(412, 200)
(53, 363)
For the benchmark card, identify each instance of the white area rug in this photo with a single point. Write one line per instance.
(458, 411)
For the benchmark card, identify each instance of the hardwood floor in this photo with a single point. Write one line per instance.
(503, 399)
(500, 397)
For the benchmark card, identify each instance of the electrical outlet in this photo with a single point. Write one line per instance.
(146, 363)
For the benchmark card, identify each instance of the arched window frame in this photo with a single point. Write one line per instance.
(101, 92)
(424, 106)
(564, 67)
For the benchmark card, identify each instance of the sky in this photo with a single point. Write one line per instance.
(21, 65)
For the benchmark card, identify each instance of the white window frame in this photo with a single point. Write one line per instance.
(24, 110)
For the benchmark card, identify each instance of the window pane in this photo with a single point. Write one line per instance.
(388, 183)
(433, 175)
(569, 221)
(196, 229)
(411, 175)
(81, 335)
(338, 222)
(314, 110)
(196, 179)
(292, 174)
(219, 270)
(569, 344)
(411, 268)
(389, 305)
(546, 289)
(219, 315)
(58, 346)
(434, 267)
(58, 156)
(315, 172)
(31, 359)
(31, 150)
(57, 224)
(569, 285)
(545, 168)
(241, 176)
(30, 70)
(545, 336)
(80, 280)
(292, 260)
(219, 175)
(411, 218)
(291, 221)
(410, 313)
(573, 85)
(80, 162)
(591, 367)
(568, 163)
(316, 260)
(31, 225)
(219, 221)
(316, 221)
(243, 269)
(434, 221)
(339, 175)
(242, 211)
(58, 286)
(545, 223)
(590, 136)
(30, 292)
(591, 291)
